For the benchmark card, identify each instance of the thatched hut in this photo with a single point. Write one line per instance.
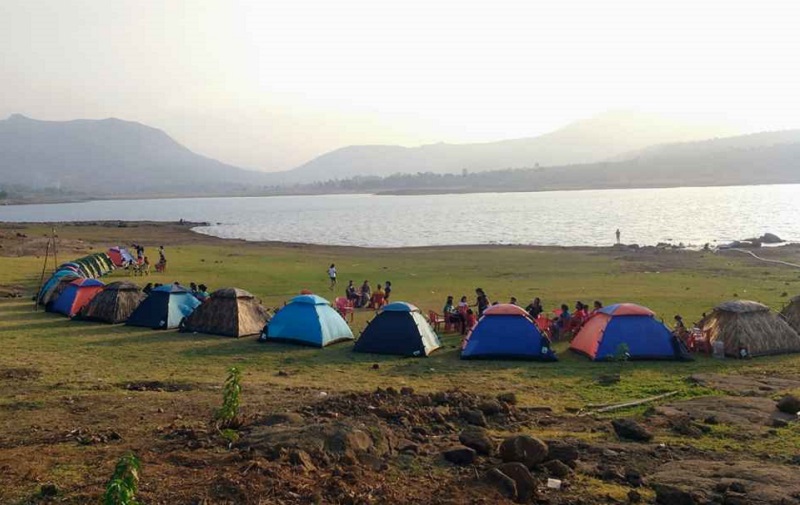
(230, 312)
(752, 326)
(114, 304)
(791, 313)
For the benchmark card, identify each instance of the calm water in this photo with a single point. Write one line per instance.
(645, 216)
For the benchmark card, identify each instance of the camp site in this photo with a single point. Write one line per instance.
(393, 403)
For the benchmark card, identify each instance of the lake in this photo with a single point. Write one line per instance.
(693, 216)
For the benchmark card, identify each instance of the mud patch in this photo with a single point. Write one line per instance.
(751, 414)
(746, 385)
(168, 387)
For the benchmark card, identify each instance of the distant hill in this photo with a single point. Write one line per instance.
(591, 140)
(109, 157)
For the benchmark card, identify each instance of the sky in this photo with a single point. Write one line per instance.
(271, 84)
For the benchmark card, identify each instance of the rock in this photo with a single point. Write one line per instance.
(633, 477)
(731, 498)
(407, 446)
(460, 455)
(634, 496)
(478, 439)
(557, 468)
(789, 404)
(303, 459)
(523, 449)
(502, 482)
(684, 426)
(526, 484)
(348, 440)
(283, 418)
(779, 423)
(631, 430)
(770, 238)
(711, 420)
(562, 451)
(406, 391)
(48, 490)
(737, 487)
(671, 495)
(372, 462)
(509, 398)
(474, 417)
(491, 407)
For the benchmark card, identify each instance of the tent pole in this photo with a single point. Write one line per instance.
(55, 248)
(41, 279)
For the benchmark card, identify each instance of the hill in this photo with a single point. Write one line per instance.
(109, 157)
(591, 140)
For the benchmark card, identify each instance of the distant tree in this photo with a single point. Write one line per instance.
(3, 194)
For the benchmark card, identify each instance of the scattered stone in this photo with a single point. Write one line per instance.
(523, 449)
(509, 398)
(711, 420)
(789, 404)
(631, 430)
(634, 478)
(634, 496)
(407, 446)
(731, 498)
(502, 482)
(491, 407)
(478, 439)
(562, 451)
(684, 426)
(282, 373)
(737, 487)
(526, 484)
(460, 455)
(348, 440)
(780, 423)
(372, 462)
(671, 495)
(303, 459)
(474, 417)
(375, 366)
(48, 490)
(406, 391)
(557, 468)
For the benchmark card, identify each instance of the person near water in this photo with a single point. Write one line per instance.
(332, 276)
(388, 289)
(618, 235)
(350, 292)
(481, 301)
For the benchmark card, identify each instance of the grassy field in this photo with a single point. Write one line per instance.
(84, 363)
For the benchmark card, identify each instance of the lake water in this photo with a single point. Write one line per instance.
(567, 218)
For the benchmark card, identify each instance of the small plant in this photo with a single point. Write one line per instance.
(121, 489)
(228, 415)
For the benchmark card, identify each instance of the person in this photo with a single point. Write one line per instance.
(366, 293)
(581, 310)
(513, 300)
(463, 305)
(534, 308)
(680, 330)
(561, 322)
(377, 298)
(193, 288)
(471, 319)
(161, 256)
(350, 292)
(332, 276)
(482, 301)
(149, 287)
(597, 306)
(618, 235)
(452, 315)
(202, 293)
(388, 289)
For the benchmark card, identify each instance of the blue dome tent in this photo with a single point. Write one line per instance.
(506, 331)
(164, 308)
(308, 320)
(398, 329)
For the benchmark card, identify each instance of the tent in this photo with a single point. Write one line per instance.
(230, 312)
(164, 308)
(48, 291)
(76, 295)
(752, 326)
(114, 304)
(399, 328)
(626, 327)
(119, 256)
(308, 320)
(506, 331)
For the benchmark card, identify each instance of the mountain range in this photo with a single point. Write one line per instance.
(116, 158)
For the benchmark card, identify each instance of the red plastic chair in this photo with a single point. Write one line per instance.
(435, 320)
(344, 307)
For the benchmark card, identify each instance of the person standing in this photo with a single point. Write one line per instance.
(482, 301)
(618, 236)
(388, 289)
(332, 276)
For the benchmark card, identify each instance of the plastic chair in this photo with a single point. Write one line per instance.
(344, 307)
(435, 320)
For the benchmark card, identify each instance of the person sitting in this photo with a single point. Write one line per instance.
(597, 306)
(561, 323)
(579, 317)
(193, 288)
(472, 320)
(513, 300)
(350, 293)
(377, 298)
(452, 315)
(202, 293)
(534, 308)
(680, 330)
(365, 295)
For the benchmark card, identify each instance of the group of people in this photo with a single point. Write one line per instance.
(364, 297)
(199, 291)
(464, 317)
(143, 261)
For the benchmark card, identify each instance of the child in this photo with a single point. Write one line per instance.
(388, 289)
(332, 276)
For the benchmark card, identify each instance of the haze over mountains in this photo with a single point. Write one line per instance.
(112, 158)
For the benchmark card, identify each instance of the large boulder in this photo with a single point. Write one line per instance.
(523, 449)
(460, 455)
(526, 484)
(478, 439)
(789, 404)
(631, 430)
(502, 482)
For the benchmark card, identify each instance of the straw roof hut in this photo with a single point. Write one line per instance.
(791, 313)
(114, 304)
(230, 312)
(750, 325)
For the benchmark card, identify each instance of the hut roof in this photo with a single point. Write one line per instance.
(742, 306)
(234, 293)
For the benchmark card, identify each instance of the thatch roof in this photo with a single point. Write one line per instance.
(230, 312)
(791, 313)
(751, 325)
(114, 304)
(742, 306)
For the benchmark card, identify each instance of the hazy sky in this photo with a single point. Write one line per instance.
(270, 84)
